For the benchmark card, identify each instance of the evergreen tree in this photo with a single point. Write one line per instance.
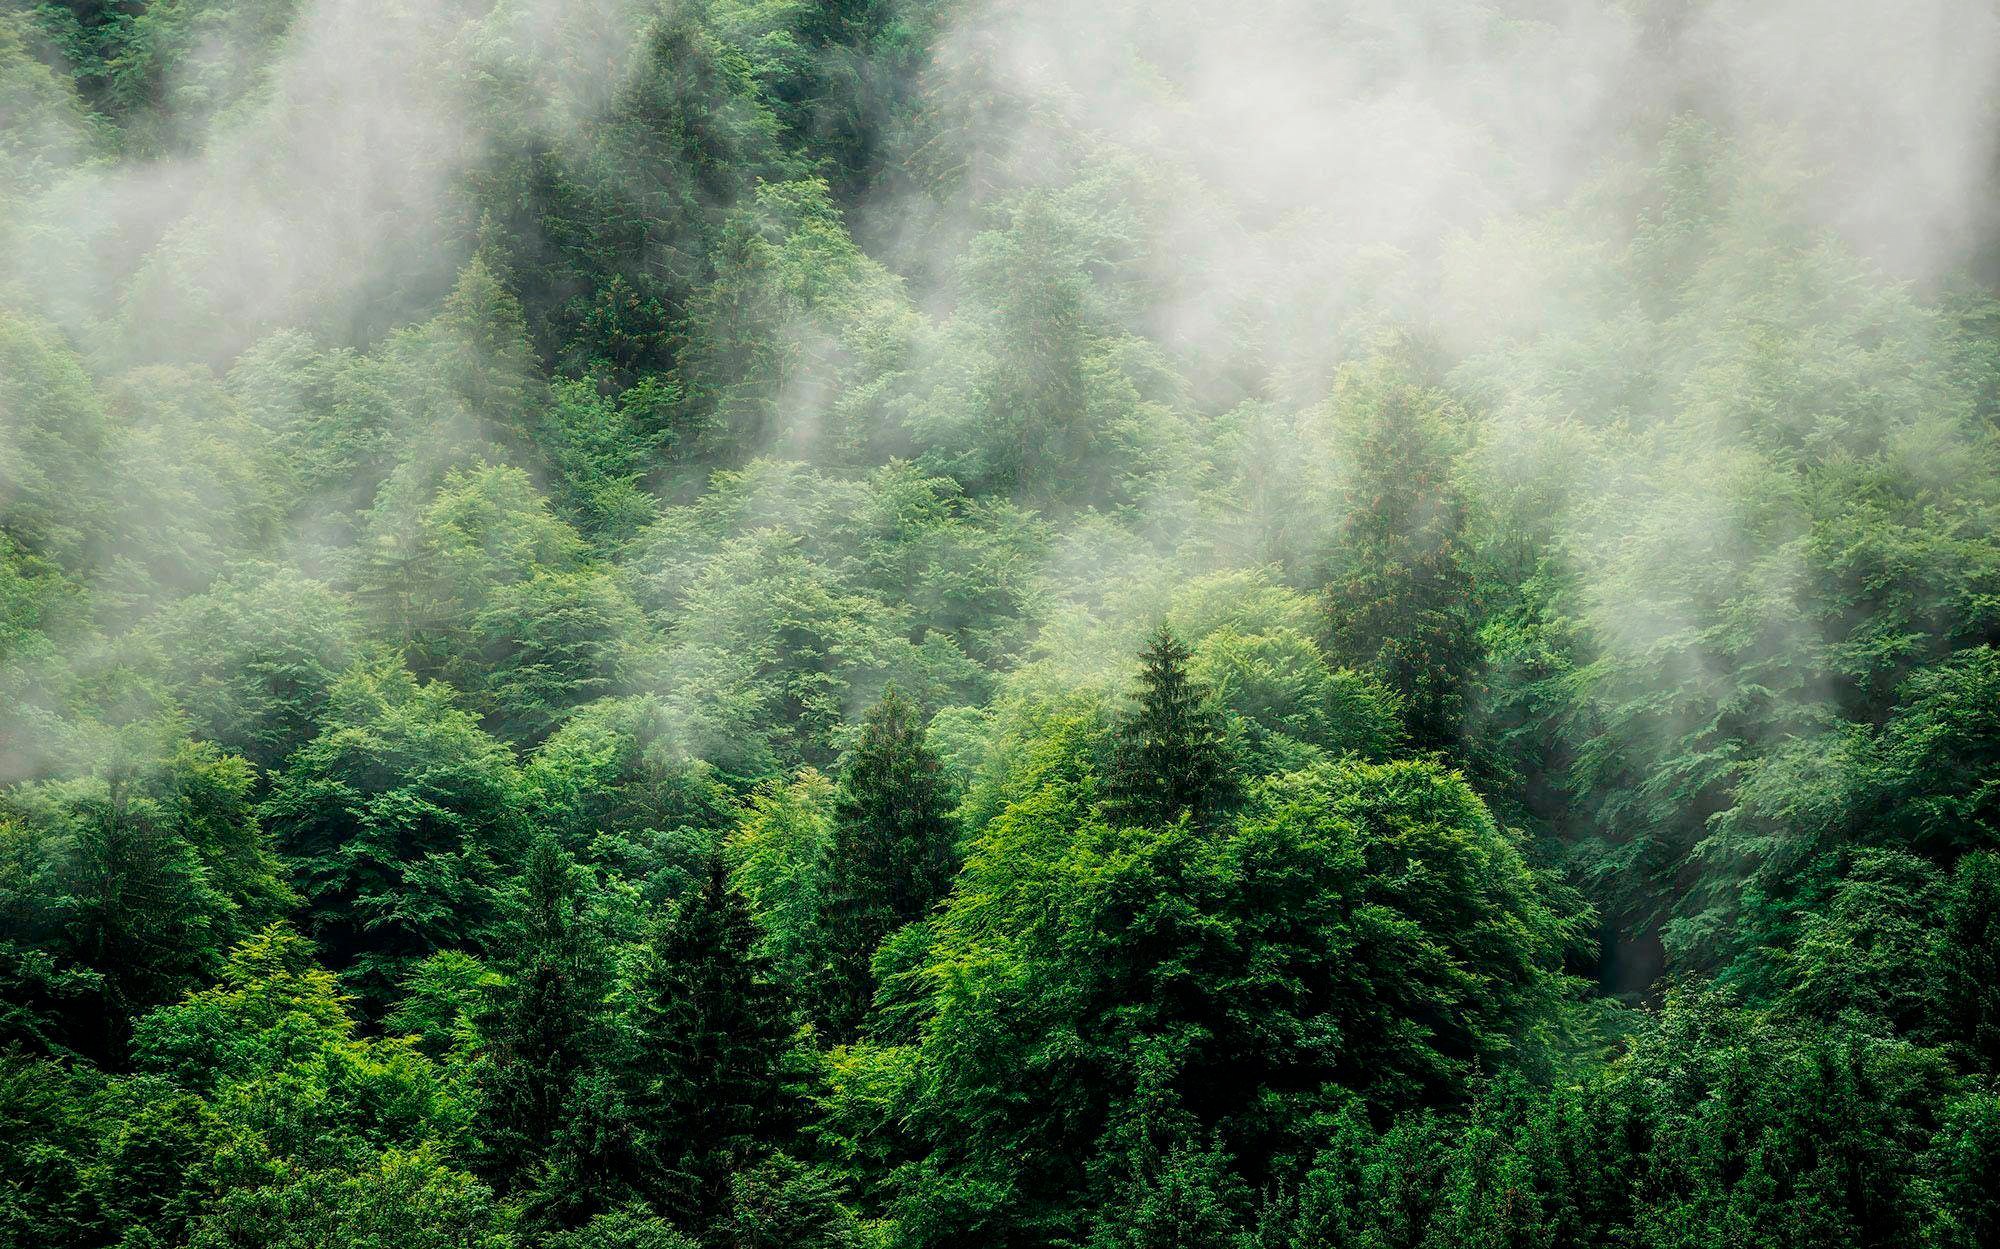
(473, 360)
(893, 855)
(1680, 538)
(120, 893)
(135, 906)
(546, 1031)
(1400, 599)
(1038, 293)
(706, 1087)
(1969, 956)
(783, 1204)
(1171, 759)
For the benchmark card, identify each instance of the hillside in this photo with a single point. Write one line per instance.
(887, 624)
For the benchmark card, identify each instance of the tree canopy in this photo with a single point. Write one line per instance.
(876, 624)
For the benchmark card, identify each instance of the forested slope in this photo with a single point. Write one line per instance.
(640, 624)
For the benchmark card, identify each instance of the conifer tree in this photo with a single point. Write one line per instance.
(478, 359)
(705, 1080)
(1969, 958)
(546, 1027)
(894, 852)
(1171, 759)
(1400, 599)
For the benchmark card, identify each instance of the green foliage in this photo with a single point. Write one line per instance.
(1170, 762)
(613, 259)
(331, 417)
(779, 857)
(124, 890)
(396, 817)
(706, 1088)
(622, 1229)
(793, 303)
(255, 1111)
(615, 786)
(404, 1199)
(891, 857)
(45, 127)
(475, 378)
(1938, 755)
(1053, 397)
(777, 634)
(45, 1141)
(254, 660)
(601, 449)
(1400, 599)
(779, 1204)
(1857, 954)
(1358, 927)
(549, 644)
(1968, 993)
(545, 1033)
(57, 449)
(1558, 548)
(181, 63)
(429, 567)
(1283, 692)
(1662, 1149)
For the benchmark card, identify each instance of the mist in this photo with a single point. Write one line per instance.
(1190, 604)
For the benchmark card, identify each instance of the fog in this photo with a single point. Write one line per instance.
(1266, 192)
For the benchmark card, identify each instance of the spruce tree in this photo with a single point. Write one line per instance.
(705, 1083)
(546, 1028)
(1400, 597)
(1967, 991)
(1171, 759)
(894, 852)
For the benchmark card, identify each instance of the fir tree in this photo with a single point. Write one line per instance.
(1400, 600)
(705, 1080)
(1171, 759)
(546, 1027)
(894, 852)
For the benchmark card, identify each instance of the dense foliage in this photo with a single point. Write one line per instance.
(680, 624)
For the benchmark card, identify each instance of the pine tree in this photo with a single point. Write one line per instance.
(1171, 759)
(893, 856)
(706, 1088)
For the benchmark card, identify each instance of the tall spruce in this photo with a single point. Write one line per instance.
(1400, 598)
(546, 1029)
(893, 856)
(1171, 758)
(706, 1089)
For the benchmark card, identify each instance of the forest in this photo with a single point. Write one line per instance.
(930, 624)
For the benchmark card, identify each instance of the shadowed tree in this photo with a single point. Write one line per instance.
(1400, 600)
(709, 1031)
(893, 855)
(546, 1031)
